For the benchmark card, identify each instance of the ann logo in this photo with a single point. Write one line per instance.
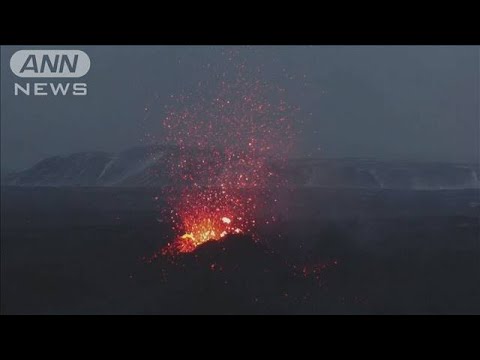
(50, 63)
(59, 64)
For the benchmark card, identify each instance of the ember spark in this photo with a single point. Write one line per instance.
(229, 135)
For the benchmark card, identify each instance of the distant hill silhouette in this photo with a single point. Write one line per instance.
(146, 167)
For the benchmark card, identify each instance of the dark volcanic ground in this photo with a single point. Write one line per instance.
(88, 251)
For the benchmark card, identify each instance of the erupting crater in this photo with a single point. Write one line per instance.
(228, 135)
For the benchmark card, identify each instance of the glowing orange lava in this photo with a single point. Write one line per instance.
(208, 214)
(206, 229)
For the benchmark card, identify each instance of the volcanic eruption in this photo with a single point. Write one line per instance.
(232, 136)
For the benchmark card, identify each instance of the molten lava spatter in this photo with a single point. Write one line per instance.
(228, 135)
(206, 229)
(206, 214)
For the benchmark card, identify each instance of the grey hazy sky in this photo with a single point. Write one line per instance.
(402, 102)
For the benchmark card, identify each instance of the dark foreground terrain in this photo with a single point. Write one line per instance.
(95, 251)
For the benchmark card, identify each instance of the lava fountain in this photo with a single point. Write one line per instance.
(230, 140)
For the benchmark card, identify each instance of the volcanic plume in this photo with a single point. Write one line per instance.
(233, 136)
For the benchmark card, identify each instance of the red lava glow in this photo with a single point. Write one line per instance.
(203, 228)
(228, 135)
